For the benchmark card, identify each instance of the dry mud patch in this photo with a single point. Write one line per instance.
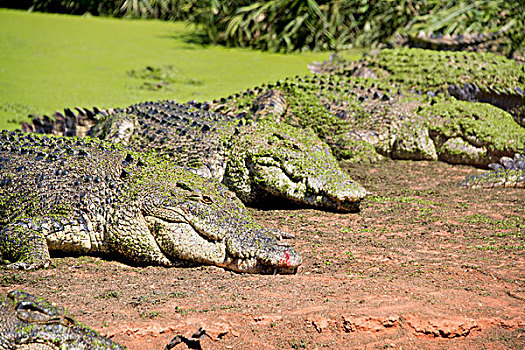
(424, 265)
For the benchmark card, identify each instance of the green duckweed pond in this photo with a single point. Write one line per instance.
(49, 61)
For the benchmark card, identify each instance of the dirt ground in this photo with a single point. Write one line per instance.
(424, 265)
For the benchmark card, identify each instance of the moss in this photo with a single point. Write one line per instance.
(480, 124)
(356, 151)
(433, 70)
(291, 163)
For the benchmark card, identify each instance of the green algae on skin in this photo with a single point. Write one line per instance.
(472, 133)
(428, 69)
(289, 163)
(479, 123)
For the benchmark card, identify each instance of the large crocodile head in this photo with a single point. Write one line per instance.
(199, 220)
(273, 163)
(29, 322)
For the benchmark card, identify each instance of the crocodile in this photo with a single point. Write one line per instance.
(509, 43)
(369, 119)
(506, 41)
(508, 172)
(266, 163)
(32, 323)
(86, 196)
(469, 76)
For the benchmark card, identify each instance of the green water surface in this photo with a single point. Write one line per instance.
(48, 62)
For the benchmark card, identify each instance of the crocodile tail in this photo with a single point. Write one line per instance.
(508, 172)
(72, 122)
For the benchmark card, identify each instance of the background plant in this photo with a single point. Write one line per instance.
(291, 25)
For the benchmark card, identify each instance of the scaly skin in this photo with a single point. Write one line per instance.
(367, 119)
(498, 42)
(468, 76)
(84, 196)
(265, 163)
(508, 172)
(269, 104)
(32, 323)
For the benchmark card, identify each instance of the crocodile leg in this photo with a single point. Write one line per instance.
(26, 243)
(132, 238)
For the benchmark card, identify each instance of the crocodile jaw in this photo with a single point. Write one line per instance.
(336, 192)
(287, 262)
(182, 237)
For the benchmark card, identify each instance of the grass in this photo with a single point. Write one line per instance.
(48, 62)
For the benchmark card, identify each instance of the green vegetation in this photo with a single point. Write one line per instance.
(49, 62)
(288, 25)
(337, 24)
(156, 78)
(109, 294)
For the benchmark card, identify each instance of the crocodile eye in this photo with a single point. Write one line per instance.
(207, 200)
(31, 312)
(200, 198)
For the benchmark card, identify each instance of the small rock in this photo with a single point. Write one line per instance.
(370, 324)
(443, 328)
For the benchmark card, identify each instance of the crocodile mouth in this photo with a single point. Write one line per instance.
(273, 183)
(310, 200)
(254, 265)
(180, 240)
